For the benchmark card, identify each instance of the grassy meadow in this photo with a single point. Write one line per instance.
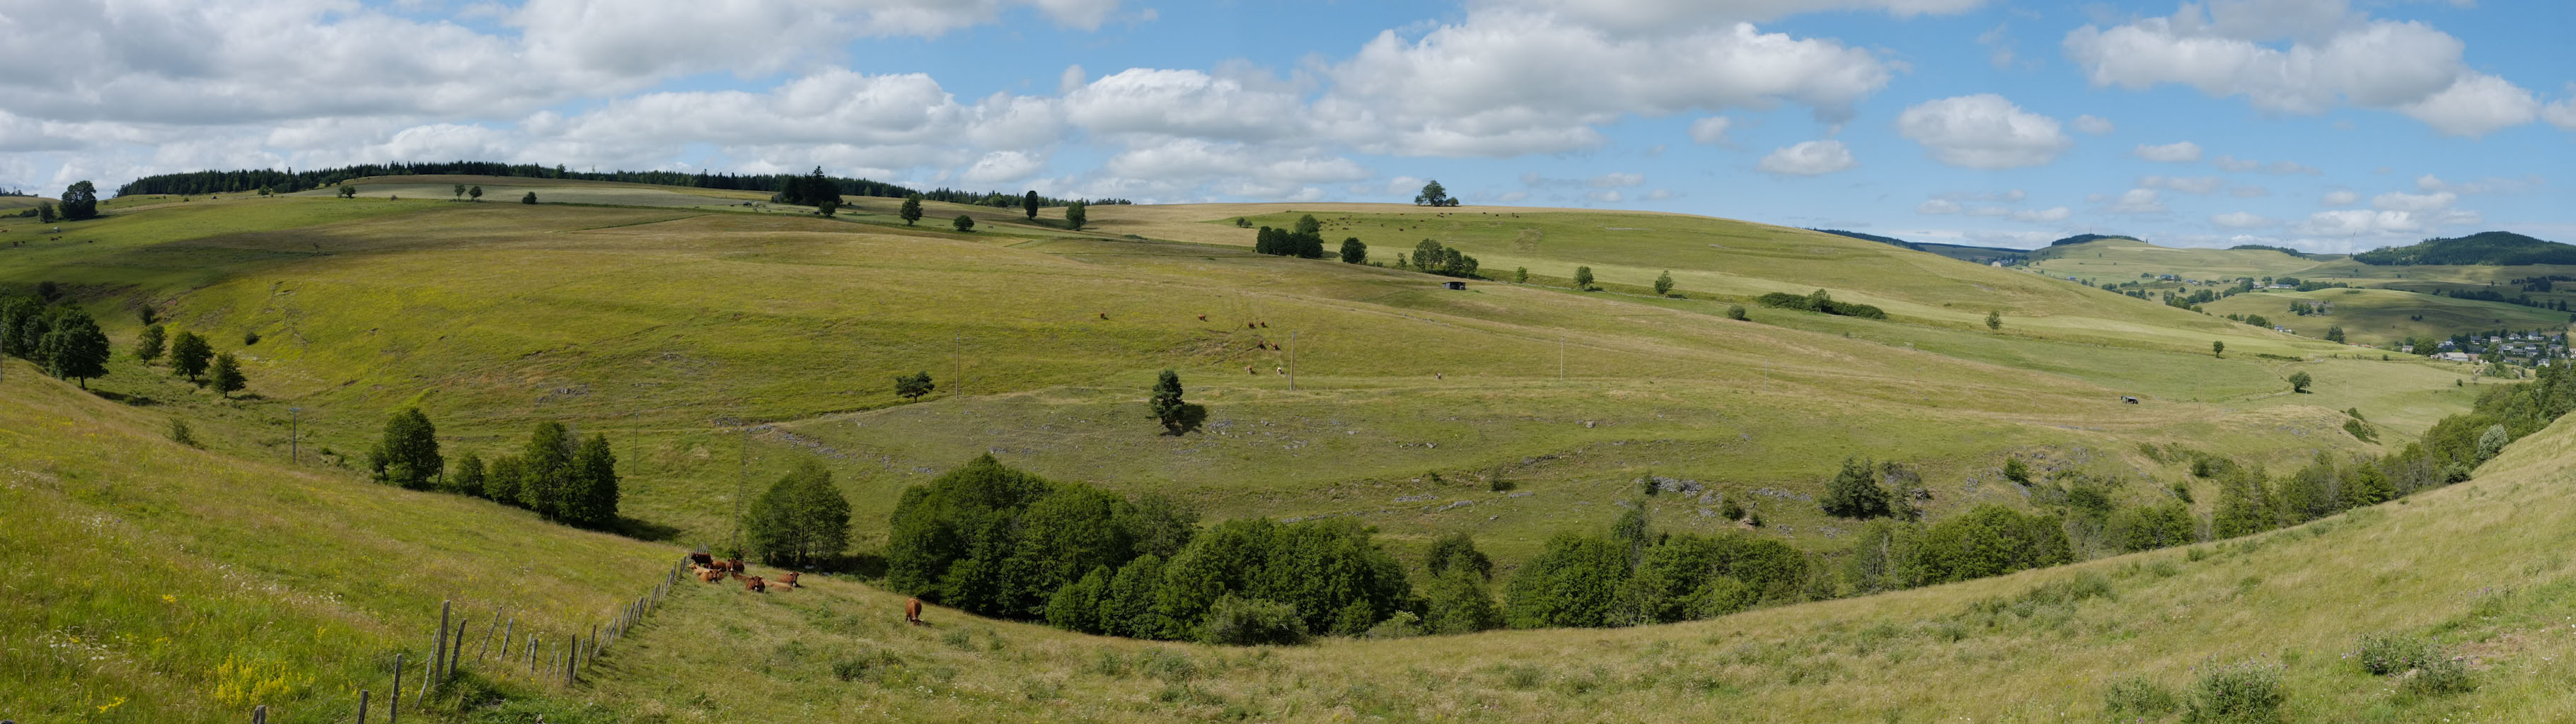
(716, 344)
(2380, 310)
(673, 329)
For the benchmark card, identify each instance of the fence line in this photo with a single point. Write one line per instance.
(564, 662)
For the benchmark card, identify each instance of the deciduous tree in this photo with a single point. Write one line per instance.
(189, 354)
(911, 211)
(408, 453)
(227, 375)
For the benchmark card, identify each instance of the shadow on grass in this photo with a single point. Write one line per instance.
(1193, 415)
(644, 530)
(125, 399)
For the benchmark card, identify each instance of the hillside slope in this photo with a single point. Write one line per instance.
(239, 582)
(674, 330)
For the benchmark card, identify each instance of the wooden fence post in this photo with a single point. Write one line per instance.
(426, 668)
(393, 706)
(505, 637)
(259, 714)
(486, 648)
(459, 656)
(572, 652)
(438, 647)
(362, 706)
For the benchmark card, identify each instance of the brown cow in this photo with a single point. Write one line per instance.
(1202, 317)
(710, 576)
(733, 564)
(702, 559)
(755, 585)
(912, 612)
(1104, 315)
(788, 579)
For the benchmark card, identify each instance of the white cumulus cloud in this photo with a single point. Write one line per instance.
(1810, 158)
(2242, 220)
(2093, 124)
(1983, 131)
(1710, 130)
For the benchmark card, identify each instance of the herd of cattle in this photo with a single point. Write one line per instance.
(710, 570)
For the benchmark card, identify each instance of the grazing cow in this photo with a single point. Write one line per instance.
(702, 559)
(1282, 370)
(1104, 315)
(1251, 325)
(1202, 317)
(912, 612)
(1265, 325)
(1247, 369)
(755, 585)
(788, 579)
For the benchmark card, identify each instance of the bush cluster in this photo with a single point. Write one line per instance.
(1819, 301)
(1001, 542)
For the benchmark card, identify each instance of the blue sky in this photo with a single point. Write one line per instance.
(2331, 125)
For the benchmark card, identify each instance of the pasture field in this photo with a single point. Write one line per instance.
(2386, 317)
(2377, 317)
(242, 581)
(672, 330)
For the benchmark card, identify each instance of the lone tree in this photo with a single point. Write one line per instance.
(1166, 403)
(74, 348)
(227, 376)
(2334, 334)
(476, 193)
(189, 354)
(530, 199)
(1076, 215)
(1995, 319)
(2300, 380)
(2217, 349)
(1664, 283)
(1433, 195)
(149, 344)
(963, 223)
(828, 208)
(408, 454)
(913, 385)
(1855, 493)
(1029, 203)
(1354, 252)
(911, 210)
(1583, 278)
(803, 519)
(80, 202)
(348, 191)
(458, 193)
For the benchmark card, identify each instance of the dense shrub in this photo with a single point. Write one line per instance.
(2138, 695)
(2393, 653)
(1854, 492)
(1991, 540)
(1251, 622)
(1820, 301)
(2245, 693)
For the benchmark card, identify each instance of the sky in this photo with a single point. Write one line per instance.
(2325, 125)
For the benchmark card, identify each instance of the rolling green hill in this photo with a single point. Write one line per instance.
(2419, 290)
(237, 581)
(715, 343)
(2492, 248)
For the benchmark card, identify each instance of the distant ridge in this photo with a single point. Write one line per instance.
(1888, 240)
(2261, 247)
(1978, 254)
(2084, 238)
(2492, 248)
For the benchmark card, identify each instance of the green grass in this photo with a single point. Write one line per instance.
(314, 580)
(2386, 317)
(2379, 313)
(669, 329)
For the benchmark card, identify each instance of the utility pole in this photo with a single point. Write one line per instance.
(1292, 361)
(294, 436)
